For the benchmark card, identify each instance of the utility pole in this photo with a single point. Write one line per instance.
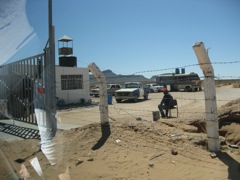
(49, 76)
(45, 98)
(210, 97)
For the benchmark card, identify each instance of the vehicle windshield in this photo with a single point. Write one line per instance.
(130, 85)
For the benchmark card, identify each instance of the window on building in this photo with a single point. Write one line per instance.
(71, 82)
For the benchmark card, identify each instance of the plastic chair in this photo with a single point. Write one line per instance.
(172, 105)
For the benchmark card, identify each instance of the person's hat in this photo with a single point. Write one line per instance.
(164, 90)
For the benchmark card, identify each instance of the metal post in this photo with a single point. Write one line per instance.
(210, 97)
(50, 71)
(102, 92)
(45, 99)
(49, 77)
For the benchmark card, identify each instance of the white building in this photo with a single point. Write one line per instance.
(72, 84)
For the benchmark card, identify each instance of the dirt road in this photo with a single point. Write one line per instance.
(190, 105)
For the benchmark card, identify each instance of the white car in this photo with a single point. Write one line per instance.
(94, 92)
(154, 87)
(111, 88)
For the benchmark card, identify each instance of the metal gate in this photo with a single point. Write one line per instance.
(17, 82)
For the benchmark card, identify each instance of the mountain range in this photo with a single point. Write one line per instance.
(119, 78)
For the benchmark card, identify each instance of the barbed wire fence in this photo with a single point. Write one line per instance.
(145, 113)
(120, 109)
(191, 107)
(186, 66)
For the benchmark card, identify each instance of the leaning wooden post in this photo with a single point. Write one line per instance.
(102, 92)
(210, 97)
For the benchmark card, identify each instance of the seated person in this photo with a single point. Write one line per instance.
(164, 105)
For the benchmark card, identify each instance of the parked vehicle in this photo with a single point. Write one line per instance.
(111, 88)
(154, 87)
(133, 91)
(94, 92)
(176, 82)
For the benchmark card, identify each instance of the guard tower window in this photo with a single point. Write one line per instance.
(71, 82)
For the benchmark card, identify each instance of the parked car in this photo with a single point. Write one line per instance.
(94, 92)
(111, 88)
(133, 91)
(154, 87)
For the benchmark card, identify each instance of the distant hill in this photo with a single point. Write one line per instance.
(118, 78)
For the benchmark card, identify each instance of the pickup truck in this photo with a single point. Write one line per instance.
(111, 88)
(131, 91)
(154, 87)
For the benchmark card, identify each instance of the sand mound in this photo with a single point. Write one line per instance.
(229, 121)
(126, 150)
(131, 149)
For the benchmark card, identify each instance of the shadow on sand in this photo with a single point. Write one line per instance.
(106, 132)
(233, 165)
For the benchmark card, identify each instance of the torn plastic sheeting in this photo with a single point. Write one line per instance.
(47, 134)
(35, 163)
(50, 153)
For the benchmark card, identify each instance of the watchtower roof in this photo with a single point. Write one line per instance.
(65, 38)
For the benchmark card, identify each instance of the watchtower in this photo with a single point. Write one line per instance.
(65, 52)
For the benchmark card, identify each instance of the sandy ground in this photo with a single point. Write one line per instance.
(133, 146)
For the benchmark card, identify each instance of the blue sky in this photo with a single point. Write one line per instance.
(147, 36)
